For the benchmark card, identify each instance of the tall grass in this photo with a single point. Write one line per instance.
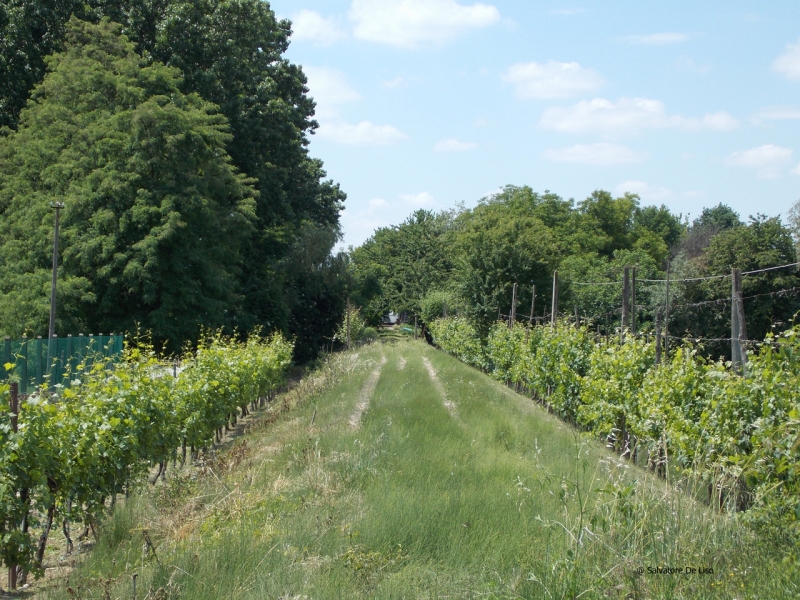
(497, 500)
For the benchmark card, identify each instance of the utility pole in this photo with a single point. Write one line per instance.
(57, 206)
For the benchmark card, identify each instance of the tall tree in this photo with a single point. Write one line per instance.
(156, 215)
(230, 52)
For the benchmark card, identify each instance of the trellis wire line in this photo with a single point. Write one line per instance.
(690, 338)
(723, 276)
(596, 283)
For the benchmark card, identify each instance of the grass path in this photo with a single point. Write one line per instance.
(388, 495)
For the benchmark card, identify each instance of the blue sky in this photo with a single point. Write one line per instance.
(431, 103)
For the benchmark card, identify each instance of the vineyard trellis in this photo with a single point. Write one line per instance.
(665, 407)
(65, 451)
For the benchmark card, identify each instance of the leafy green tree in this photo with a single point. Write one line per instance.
(763, 243)
(230, 52)
(499, 243)
(409, 260)
(156, 215)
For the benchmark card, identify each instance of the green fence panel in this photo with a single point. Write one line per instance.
(37, 361)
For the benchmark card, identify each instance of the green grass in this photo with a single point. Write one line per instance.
(493, 498)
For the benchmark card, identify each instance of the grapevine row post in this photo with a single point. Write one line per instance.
(14, 407)
(513, 314)
(738, 329)
(554, 308)
(533, 304)
(666, 313)
(633, 300)
(626, 298)
(658, 336)
(348, 323)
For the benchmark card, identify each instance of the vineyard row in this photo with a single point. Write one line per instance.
(63, 455)
(737, 437)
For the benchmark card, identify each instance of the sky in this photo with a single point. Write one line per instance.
(436, 104)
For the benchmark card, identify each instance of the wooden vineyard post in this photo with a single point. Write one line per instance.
(14, 407)
(626, 298)
(348, 323)
(658, 337)
(415, 326)
(666, 314)
(513, 314)
(633, 300)
(533, 304)
(554, 304)
(738, 353)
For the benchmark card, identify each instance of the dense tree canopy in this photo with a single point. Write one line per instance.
(229, 53)
(157, 216)
(519, 236)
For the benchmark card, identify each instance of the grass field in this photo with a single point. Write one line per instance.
(419, 478)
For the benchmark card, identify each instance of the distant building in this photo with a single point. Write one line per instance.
(390, 319)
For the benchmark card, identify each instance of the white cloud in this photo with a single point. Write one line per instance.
(330, 90)
(329, 87)
(645, 191)
(453, 145)
(788, 63)
(656, 39)
(377, 204)
(364, 133)
(310, 25)
(394, 83)
(421, 200)
(595, 154)
(410, 23)
(552, 79)
(628, 115)
(686, 63)
(768, 160)
(776, 113)
(796, 170)
(361, 224)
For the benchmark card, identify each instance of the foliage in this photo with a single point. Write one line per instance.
(97, 437)
(397, 267)
(695, 417)
(156, 217)
(230, 53)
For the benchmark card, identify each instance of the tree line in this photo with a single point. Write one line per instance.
(176, 133)
(466, 262)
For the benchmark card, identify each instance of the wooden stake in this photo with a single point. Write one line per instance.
(633, 300)
(626, 297)
(554, 305)
(738, 330)
(512, 317)
(533, 303)
(666, 313)
(348, 344)
(658, 337)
